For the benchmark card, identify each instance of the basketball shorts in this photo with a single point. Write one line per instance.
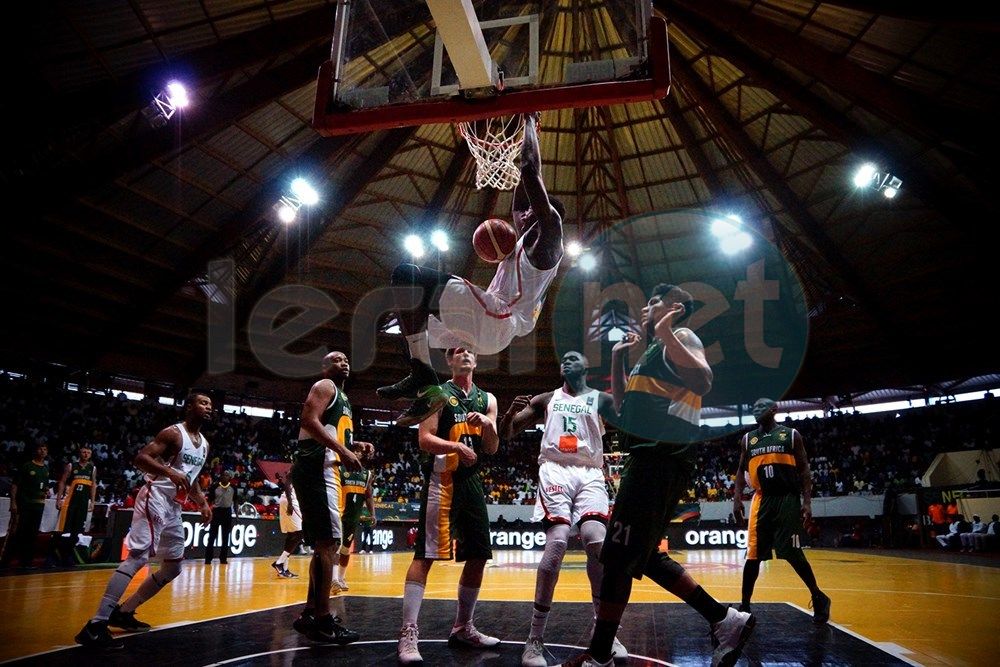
(289, 523)
(775, 524)
(156, 524)
(351, 517)
(317, 488)
(73, 515)
(570, 495)
(473, 318)
(453, 510)
(652, 483)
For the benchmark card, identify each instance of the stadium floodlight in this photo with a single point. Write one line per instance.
(735, 243)
(304, 192)
(286, 213)
(865, 175)
(724, 228)
(439, 239)
(574, 248)
(587, 262)
(869, 176)
(166, 103)
(892, 188)
(414, 245)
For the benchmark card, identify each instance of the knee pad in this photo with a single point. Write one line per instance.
(552, 557)
(131, 565)
(664, 570)
(592, 535)
(167, 572)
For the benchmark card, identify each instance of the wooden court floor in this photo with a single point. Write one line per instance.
(932, 613)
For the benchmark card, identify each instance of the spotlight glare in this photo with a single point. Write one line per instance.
(414, 245)
(736, 243)
(304, 192)
(863, 176)
(890, 192)
(723, 228)
(615, 334)
(439, 239)
(574, 249)
(286, 214)
(588, 262)
(177, 95)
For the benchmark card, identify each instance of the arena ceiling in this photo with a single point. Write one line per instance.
(773, 104)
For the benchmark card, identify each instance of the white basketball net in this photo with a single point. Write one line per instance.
(496, 145)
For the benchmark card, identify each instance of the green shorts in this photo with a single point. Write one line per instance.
(351, 517)
(653, 482)
(317, 488)
(449, 511)
(775, 524)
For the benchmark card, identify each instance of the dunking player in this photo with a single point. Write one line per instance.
(571, 489)
(455, 313)
(75, 496)
(660, 409)
(453, 504)
(355, 495)
(290, 522)
(326, 440)
(775, 458)
(171, 462)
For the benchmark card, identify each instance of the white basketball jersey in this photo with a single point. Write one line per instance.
(573, 430)
(522, 286)
(188, 461)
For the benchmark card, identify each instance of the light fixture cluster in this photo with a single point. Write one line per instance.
(415, 246)
(581, 256)
(732, 237)
(869, 175)
(166, 103)
(301, 193)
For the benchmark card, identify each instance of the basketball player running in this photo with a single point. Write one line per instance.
(325, 442)
(453, 504)
(660, 408)
(171, 462)
(775, 458)
(290, 522)
(455, 313)
(355, 494)
(571, 489)
(75, 497)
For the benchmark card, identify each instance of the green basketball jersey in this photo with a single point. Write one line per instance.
(771, 462)
(32, 482)
(452, 426)
(81, 478)
(337, 420)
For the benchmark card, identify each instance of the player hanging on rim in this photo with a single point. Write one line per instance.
(571, 490)
(326, 441)
(452, 505)
(455, 313)
(660, 410)
(775, 458)
(171, 462)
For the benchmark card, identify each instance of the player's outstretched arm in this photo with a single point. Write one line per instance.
(164, 447)
(606, 408)
(523, 412)
(619, 357)
(549, 222)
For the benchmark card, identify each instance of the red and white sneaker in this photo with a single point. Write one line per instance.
(467, 635)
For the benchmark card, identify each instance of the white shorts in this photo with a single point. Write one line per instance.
(570, 494)
(472, 318)
(290, 523)
(156, 525)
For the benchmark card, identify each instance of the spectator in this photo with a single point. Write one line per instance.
(978, 528)
(988, 540)
(27, 504)
(222, 497)
(951, 540)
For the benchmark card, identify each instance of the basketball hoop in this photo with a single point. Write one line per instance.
(495, 143)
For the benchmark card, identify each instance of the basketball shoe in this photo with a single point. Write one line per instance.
(468, 635)
(126, 620)
(95, 635)
(421, 376)
(729, 635)
(406, 649)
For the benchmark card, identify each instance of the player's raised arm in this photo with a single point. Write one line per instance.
(549, 220)
(523, 412)
(683, 350)
(319, 397)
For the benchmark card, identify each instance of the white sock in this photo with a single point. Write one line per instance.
(419, 346)
(283, 558)
(467, 597)
(336, 572)
(538, 620)
(413, 595)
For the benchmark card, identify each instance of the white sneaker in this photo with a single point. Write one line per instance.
(731, 633)
(619, 654)
(406, 650)
(467, 635)
(534, 653)
(341, 584)
(584, 660)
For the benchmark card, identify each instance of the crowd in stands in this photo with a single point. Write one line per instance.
(849, 453)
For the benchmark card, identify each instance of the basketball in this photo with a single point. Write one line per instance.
(494, 239)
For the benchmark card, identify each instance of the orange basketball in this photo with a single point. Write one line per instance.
(494, 239)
